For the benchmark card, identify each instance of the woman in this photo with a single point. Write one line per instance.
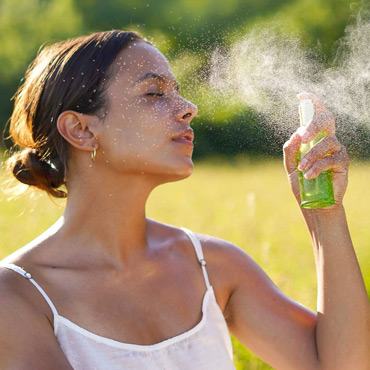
(103, 115)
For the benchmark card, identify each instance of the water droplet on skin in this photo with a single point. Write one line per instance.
(107, 161)
(110, 195)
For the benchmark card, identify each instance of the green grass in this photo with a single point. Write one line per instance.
(248, 203)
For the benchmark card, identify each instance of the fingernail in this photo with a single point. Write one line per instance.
(308, 174)
(302, 165)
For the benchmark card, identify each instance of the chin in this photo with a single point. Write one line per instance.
(182, 172)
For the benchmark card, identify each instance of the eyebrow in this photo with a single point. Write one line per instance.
(152, 75)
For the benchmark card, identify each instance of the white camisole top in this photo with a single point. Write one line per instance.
(207, 346)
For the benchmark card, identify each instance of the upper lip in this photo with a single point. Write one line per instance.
(188, 134)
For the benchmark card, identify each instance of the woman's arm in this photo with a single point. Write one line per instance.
(27, 340)
(343, 310)
(280, 331)
(343, 319)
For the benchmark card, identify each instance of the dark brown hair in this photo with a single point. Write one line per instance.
(68, 75)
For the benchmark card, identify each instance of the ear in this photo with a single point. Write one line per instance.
(79, 129)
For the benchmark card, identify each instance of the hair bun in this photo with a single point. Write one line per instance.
(30, 168)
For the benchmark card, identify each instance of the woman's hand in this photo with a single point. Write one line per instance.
(327, 154)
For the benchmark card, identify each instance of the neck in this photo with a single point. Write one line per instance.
(107, 220)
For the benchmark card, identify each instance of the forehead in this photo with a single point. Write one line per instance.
(138, 59)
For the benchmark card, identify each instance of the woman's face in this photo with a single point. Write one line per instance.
(145, 113)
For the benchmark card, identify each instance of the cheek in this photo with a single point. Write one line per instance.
(140, 129)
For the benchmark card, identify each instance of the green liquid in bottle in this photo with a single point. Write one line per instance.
(317, 192)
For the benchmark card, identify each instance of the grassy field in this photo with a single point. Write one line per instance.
(247, 202)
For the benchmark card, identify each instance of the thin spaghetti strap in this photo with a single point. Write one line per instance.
(199, 252)
(28, 276)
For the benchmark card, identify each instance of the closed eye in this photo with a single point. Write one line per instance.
(155, 94)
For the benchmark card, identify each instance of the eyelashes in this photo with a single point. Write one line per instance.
(159, 95)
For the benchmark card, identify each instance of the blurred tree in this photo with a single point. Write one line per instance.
(24, 26)
(186, 31)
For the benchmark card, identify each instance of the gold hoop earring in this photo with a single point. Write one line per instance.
(93, 155)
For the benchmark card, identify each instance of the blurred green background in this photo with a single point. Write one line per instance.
(238, 189)
(186, 31)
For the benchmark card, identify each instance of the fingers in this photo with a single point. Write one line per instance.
(290, 149)
(328, 145)
(324, 121)
(337, 162)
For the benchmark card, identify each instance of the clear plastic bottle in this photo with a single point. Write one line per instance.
(317, 192)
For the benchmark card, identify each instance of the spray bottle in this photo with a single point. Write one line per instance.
(317, 192)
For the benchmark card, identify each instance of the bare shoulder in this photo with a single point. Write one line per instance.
(229, 266)
(21, 322)
(277, 329)
(232, 261)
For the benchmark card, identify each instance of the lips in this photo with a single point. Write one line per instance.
(186, 135)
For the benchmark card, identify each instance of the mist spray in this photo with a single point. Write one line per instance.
(317, 192)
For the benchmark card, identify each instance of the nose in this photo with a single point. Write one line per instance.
(186, 112)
